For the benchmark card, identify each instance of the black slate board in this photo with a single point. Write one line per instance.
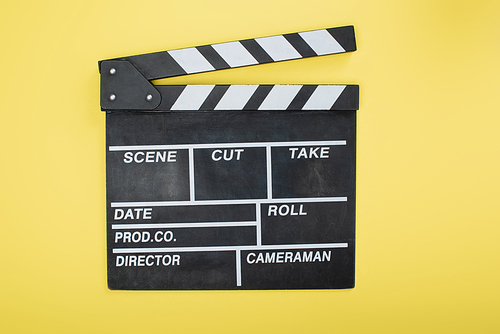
(231, 200)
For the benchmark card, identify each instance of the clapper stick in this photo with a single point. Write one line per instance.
(125, 82)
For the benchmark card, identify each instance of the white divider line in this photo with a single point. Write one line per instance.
(226, 248)
(259, 224)
(269, 171)
(238, 267)
(226, 145)
(296, 246)
(191, 175)
(226, 202)
(182, 225)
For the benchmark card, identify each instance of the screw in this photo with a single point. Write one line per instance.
(149, 97)
(112, 71)
(112, 97)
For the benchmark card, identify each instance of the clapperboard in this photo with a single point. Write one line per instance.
(224, 187)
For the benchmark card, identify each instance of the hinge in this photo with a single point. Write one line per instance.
(123, 87)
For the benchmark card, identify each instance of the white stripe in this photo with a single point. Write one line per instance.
(235, 54)
(278, 48)
(227, 145)
(230, 202)
(323, 97)
(181, 225)
(191, 60)
(279, 97)
(192, 97)
(321, 42)
(236, 97)
(227, 248)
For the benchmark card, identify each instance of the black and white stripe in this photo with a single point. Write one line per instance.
(245, 52)
(258, 97)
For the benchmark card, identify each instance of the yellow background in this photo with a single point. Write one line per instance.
(428, 212)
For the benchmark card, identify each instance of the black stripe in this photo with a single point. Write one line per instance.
(214, 97)
(348, 100)
(302, 96)
(258, 97)
(256, 51)
(213, 57)
(345, 37)
(156, 65)
(169, 94)
(300, 45)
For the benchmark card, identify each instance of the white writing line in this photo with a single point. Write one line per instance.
(225, 202)
(226, 145)
(191, 175)
(226, 248)
(259, 224)
(181, 225)
(269, 173)
(238, 267)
